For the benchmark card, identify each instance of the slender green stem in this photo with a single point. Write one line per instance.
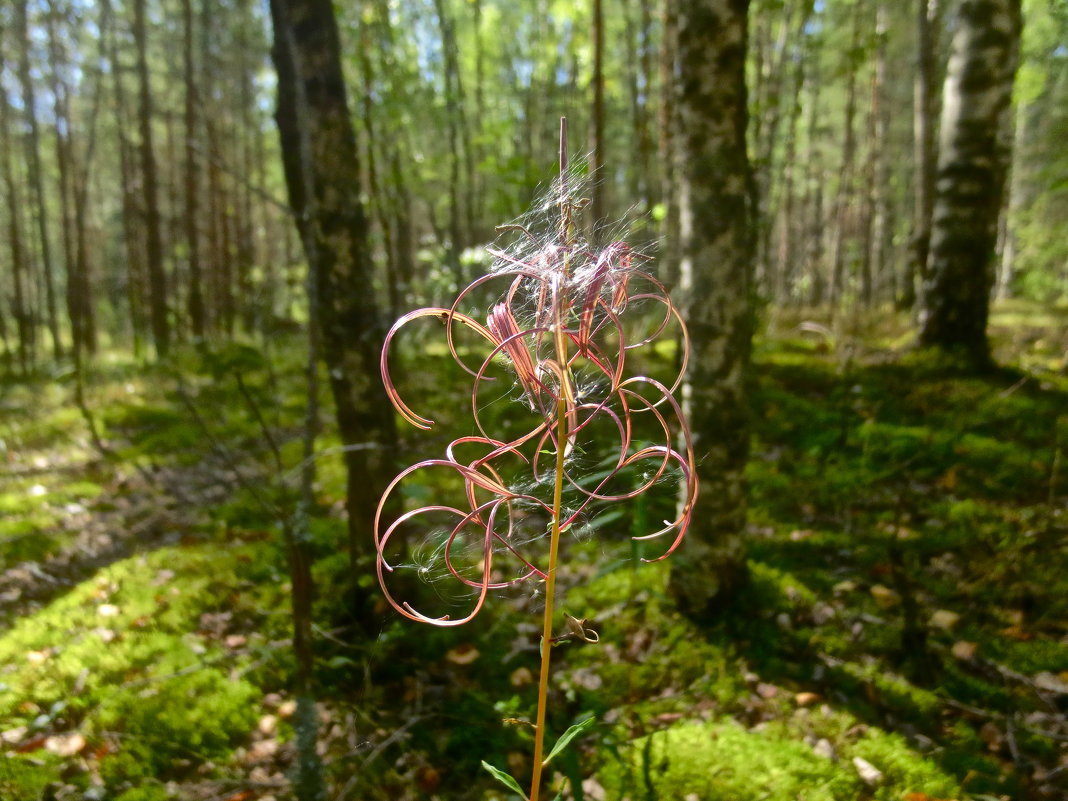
(558, 486)
(550, 587)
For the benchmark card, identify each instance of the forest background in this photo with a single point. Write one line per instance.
(165, 514)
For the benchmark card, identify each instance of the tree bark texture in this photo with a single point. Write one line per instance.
(324, 192)
(973, 154)
(157, 276)
(33, 146)
(924, 154)
(715, 197)
(598, 206)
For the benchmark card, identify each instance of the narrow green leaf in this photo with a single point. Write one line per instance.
(568, 736)
(504, 779)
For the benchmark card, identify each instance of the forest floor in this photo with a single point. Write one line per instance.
(904, 635)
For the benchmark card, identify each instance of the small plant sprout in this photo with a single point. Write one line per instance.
(567, 423)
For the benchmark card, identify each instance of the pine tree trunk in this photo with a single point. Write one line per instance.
(29, 102)
(455, 125)
(786, 257)
(973, 155)
(845, 172)
(715, 196)
(598, 205)
(192, 177)
(157, 276)
(20, 305)
(133, 241)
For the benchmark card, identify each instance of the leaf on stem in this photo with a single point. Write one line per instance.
(567, 737)
(504, 779)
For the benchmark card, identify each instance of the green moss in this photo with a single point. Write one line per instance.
(27, 775)
(167, 725)
(146, 792)
(130, 621)
(888, 691)
(723, 762)
(905, 770)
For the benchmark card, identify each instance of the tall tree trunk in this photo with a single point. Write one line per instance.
(456, 124)
(192, 176)
(29, 102)
(378, 197)
(648, 187)
(923, 133)
(669, 234)
(20, 305)
(64, 164)
(786, 257)
(973, 155)
(845, 173)
(872, 213)
(598, 205)
(324, 191)
(157, 276)
(81, 169)
(133, 240)
(812, 203)
(773, 75)
(715, 195)
(1007, 244)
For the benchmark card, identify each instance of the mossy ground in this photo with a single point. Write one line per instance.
(887, 492)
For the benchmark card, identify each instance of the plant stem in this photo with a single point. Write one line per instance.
(550, 587)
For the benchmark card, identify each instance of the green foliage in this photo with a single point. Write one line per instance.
(197, 717)
(722, 761)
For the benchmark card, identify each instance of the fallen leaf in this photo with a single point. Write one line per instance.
(287, 708)
(463, 654)
(1016, 633)
(884, 597)
(65, 745)
(767, 690)
(521, 677)
(667, 718)
(944, 619)
(1050, 682)
(263, 750)
(870, 774)
(268, 725)
(235, 640)
(842, 587)
(990, 734)
(823, 748)
(33, 744)
(963, 650)
(592, 790)
(13, 735)
(428, 779)
(806, 699)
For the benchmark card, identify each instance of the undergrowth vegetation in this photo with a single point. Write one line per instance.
(903, 636)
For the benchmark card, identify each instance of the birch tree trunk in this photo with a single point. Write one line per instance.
(973, 155)
(715, 196)
(923, 115)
